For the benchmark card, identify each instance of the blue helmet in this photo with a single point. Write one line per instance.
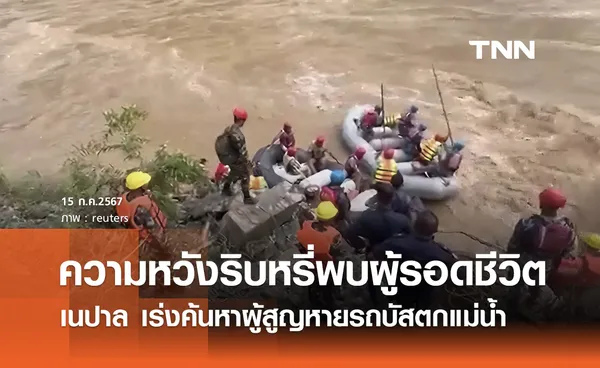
(458, 146)
(413, 109)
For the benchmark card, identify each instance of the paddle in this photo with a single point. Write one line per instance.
(333, 157)
(437, 86)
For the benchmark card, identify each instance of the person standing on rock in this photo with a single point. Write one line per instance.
(326, 242)
(139, 210)
(377, 225)
(231, 150)
(421, 247)
(546, 236)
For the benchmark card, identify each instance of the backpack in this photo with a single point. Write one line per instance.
(553, 238)
(224, 150)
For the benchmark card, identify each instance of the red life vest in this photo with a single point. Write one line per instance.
(322, 240)
(128, 209)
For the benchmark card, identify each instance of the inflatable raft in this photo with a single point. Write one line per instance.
(268, 164)
(434, 189)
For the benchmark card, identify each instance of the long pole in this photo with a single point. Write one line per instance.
(437, 85)
(382, 105)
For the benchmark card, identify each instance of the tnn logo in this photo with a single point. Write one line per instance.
(511, 51)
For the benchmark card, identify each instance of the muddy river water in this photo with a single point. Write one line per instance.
(527, 123)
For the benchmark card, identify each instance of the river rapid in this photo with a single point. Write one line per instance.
(527, 123)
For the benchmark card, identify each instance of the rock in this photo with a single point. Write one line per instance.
(40, 211)
(213, 203)
(252, 222)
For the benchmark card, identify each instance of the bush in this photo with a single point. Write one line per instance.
(88, 173)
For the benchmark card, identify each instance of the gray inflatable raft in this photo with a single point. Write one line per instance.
(267, 161)
(433, 189)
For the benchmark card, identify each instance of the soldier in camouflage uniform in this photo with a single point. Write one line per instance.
(237, 156)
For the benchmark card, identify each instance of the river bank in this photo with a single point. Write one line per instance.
(63, 200)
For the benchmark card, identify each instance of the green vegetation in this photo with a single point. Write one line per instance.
(88, 173)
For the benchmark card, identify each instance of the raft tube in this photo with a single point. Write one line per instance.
(432, 189)
(268, 162)
(385, 137)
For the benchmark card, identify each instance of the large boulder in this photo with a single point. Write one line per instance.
(252, 222)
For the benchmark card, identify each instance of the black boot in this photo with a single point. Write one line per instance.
(226, 191)
(248, 199)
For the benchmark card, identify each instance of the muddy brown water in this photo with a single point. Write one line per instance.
(529, 123)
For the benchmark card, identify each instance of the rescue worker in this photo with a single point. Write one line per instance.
(368, 121)
(406, 121)
(308, 207)
(378, 224)
(142, 212)
(326, 241)
(429, 151)
(449, 163)
(285, 138)
(292, 165)
(421, 247)
(401, 200)
(351, 165)
(548, 237)
(231, 150)
(386, 167)
(317, 152)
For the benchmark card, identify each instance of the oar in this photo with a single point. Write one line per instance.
(437, 85)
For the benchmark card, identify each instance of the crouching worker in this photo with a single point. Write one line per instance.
(326, 241)
(140, 211)
(292, 165)
(317, 152)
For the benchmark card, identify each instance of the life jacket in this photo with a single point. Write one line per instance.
(453, 161)
(385, 170)
(322, 241)
(223, 148)
(390, 120)
(429, 149)
(553, 238)
(257, 183)
(128, 209)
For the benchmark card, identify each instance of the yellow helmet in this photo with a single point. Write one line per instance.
(136, 180)
(592, 240)
(326, 211)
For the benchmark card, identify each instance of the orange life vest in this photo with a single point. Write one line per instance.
(429, 149)
(128, 208)
(322, 240)
(385, 170)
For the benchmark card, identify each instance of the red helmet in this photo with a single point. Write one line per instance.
(552, 199)
(240, 113)
(291, 151)
(320, 141)
(360, 152)
(327, 194)
(388, 154)
(441, 138)
(370, 118)
(287, 127)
